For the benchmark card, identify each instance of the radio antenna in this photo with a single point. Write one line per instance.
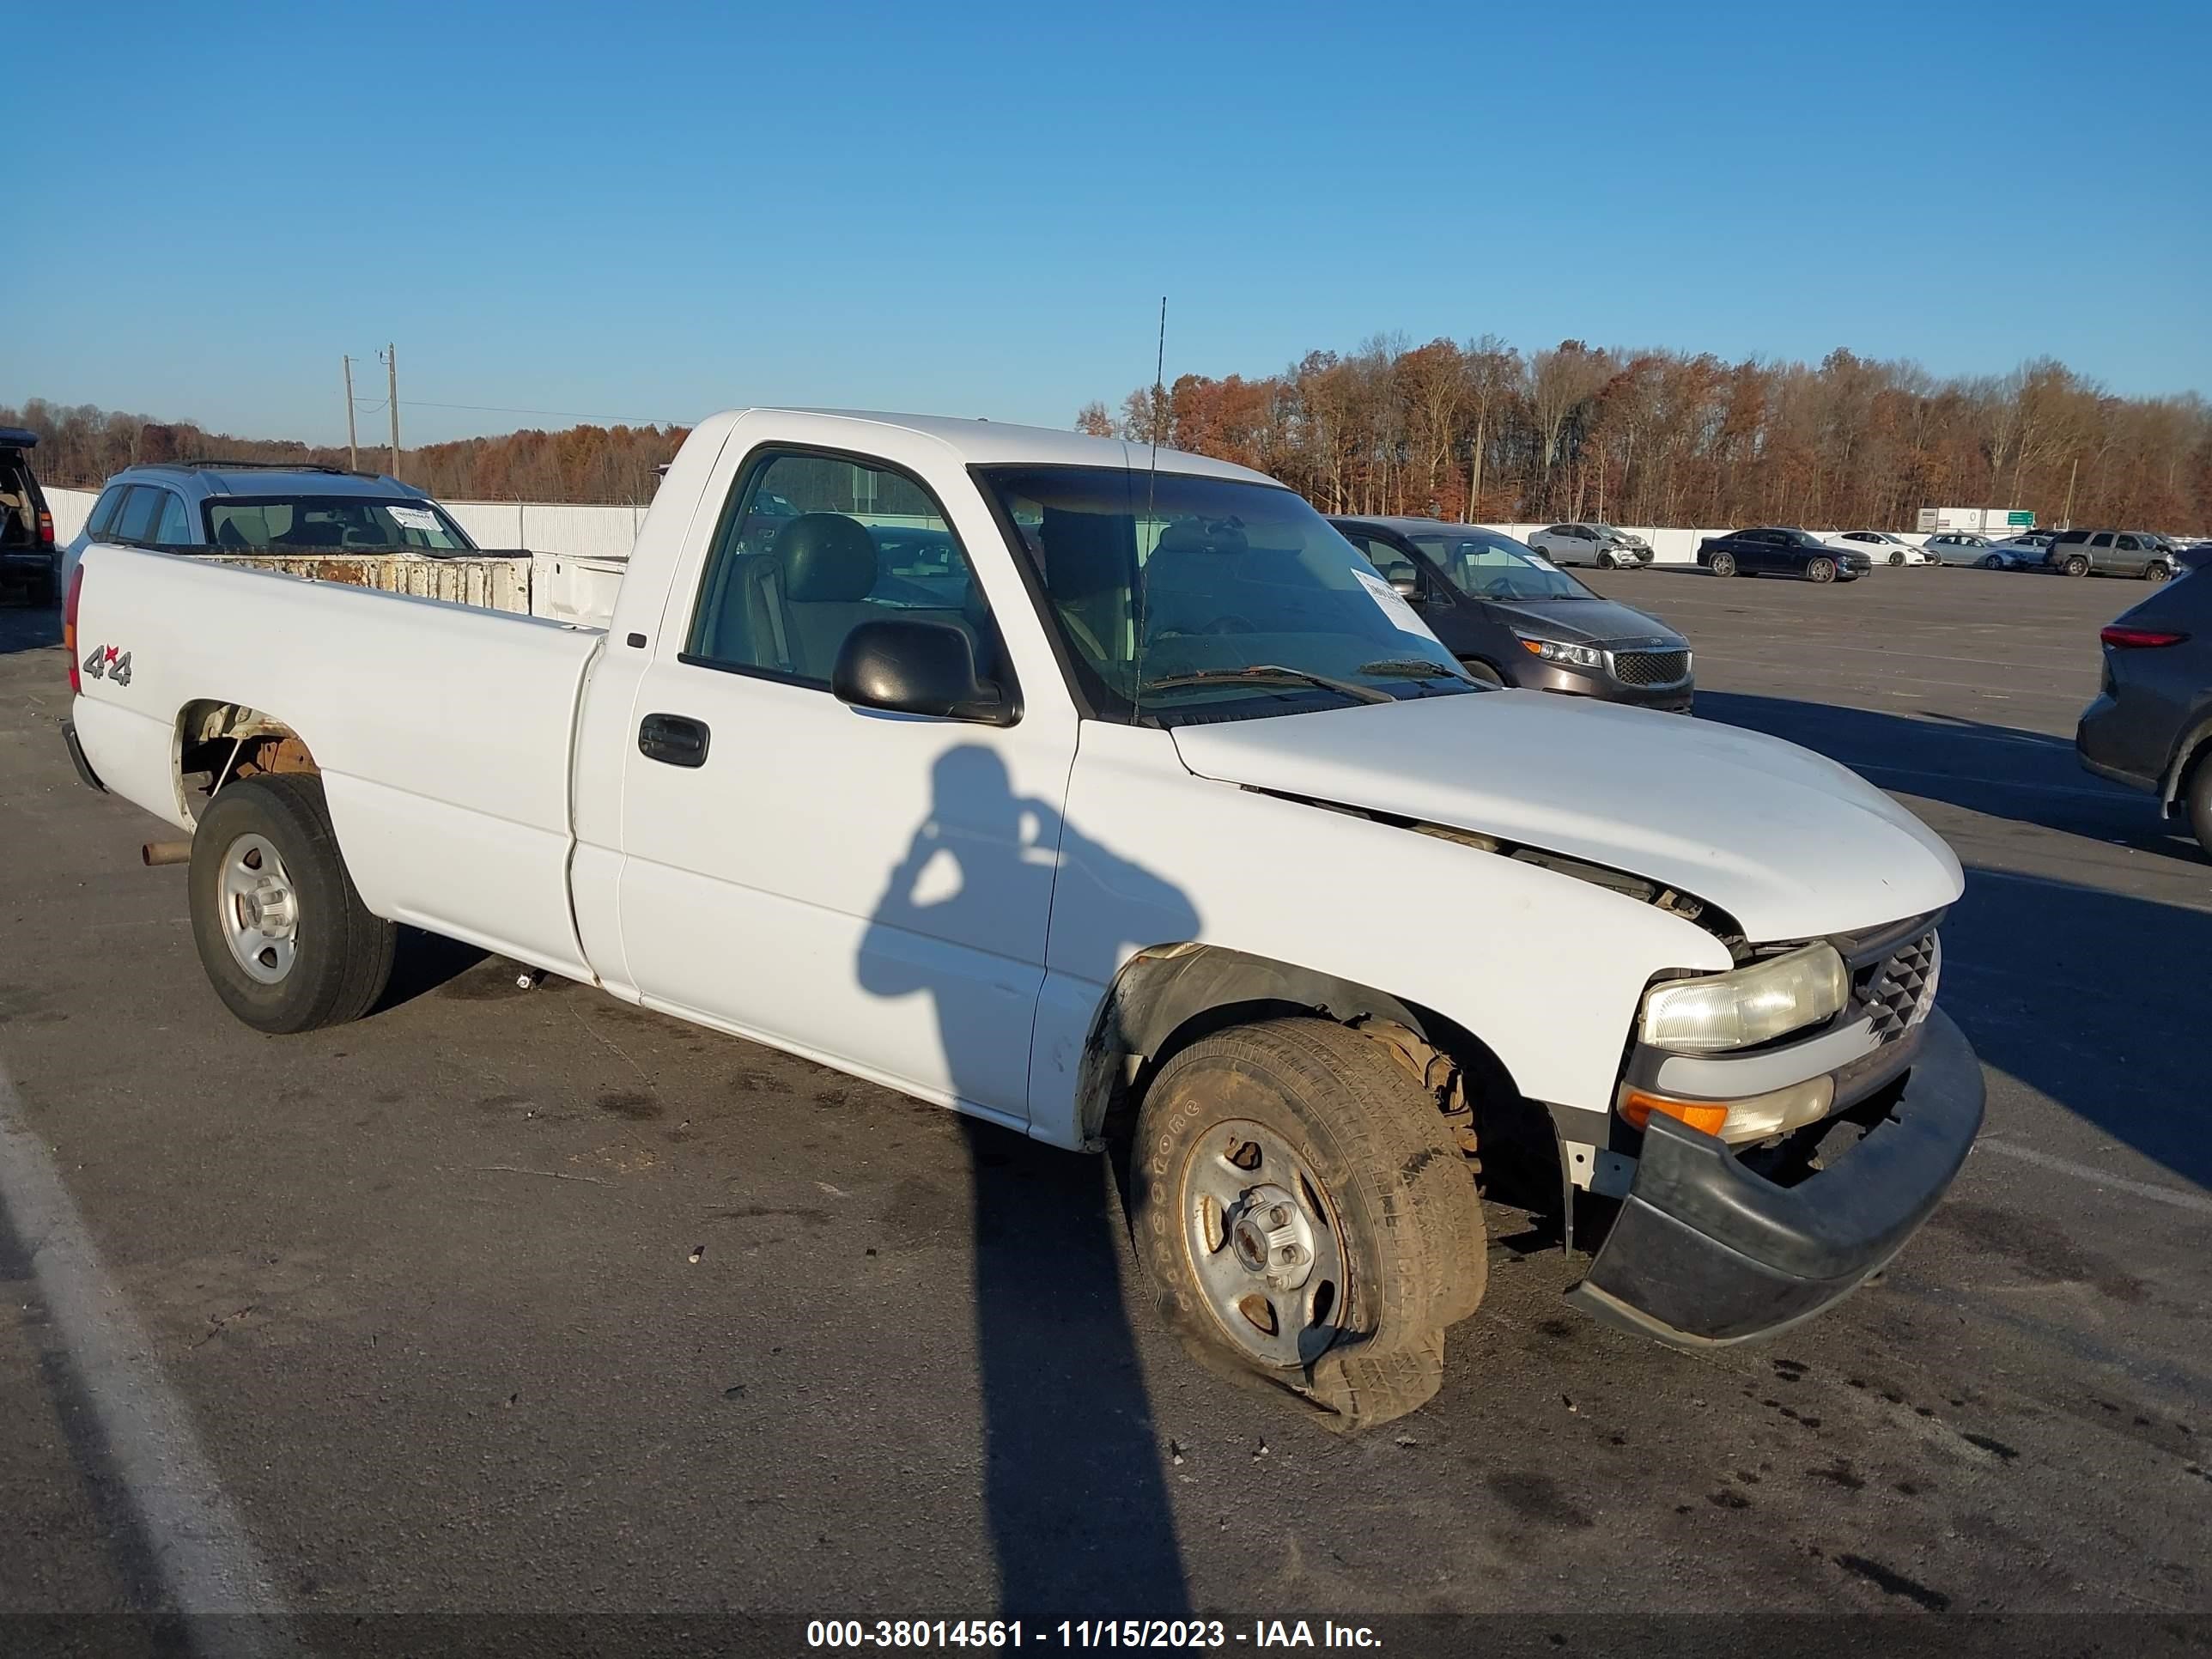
(1151, 484)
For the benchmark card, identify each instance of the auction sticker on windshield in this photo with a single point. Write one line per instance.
(413, 518)
(1401, 614)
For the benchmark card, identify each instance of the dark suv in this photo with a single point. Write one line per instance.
(27, 528)
(1514, 619)
(2111, 553)
(2151, 724)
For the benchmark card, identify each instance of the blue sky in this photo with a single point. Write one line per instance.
(656, 211)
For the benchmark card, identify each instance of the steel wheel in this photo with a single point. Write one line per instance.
(260, 909)
(1264, 1244)
(1821, 570)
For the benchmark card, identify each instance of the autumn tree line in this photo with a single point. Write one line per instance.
(1477, 431)
(1482, 432)
(82, 445)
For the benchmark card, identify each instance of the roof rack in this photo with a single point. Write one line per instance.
(209, 464)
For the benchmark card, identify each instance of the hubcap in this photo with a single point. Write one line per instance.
(1263, 1243)
(260, 909)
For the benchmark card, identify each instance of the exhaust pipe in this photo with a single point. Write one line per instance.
(157, 853)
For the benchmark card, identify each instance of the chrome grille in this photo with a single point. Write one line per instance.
(1649, 667)
(1895, 993)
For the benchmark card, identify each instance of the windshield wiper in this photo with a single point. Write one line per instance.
(1261, 673)
(1411, 668)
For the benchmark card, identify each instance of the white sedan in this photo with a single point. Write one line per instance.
(1881, 545)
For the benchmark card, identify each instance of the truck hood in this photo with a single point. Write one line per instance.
(1787, 842)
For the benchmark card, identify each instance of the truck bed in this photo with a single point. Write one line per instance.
(559, 587)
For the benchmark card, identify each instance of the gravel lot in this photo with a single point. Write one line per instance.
(504, 1301)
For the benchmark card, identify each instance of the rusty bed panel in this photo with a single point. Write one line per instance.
(489, 583)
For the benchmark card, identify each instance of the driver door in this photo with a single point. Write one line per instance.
(867, 888)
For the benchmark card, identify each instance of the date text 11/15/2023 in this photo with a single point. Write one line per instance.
(1085, 1633)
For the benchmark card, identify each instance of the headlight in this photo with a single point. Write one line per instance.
(1579, 656)
(1750, 1005)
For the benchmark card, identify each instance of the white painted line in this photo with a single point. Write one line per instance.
(2180, 1199)
(206, 1560)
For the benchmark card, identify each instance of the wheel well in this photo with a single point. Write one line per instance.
(1167, 998)
(217, 742)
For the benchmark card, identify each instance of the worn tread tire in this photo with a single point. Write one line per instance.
(1414, 1241)
(346, 954)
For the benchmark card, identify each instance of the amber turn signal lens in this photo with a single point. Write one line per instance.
(1708, 1115)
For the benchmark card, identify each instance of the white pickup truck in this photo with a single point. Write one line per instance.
(1097, 793)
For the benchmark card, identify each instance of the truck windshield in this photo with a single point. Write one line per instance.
(1181, 598)
(1485, 565)
(339, 523)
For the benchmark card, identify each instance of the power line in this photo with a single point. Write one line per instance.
(560, 414)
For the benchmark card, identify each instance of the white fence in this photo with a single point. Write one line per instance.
(577, 530)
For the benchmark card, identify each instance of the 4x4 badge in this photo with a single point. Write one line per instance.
(106, 661)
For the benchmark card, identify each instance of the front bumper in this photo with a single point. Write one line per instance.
(1541, 676)
(1704, 1252)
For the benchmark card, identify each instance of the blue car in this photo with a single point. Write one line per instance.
(216, 506)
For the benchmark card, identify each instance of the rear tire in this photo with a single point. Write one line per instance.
(2199, 799)
(2075, 565)
(1820, 570)
(1724, 564)
(1305, 1219)
(285, 939)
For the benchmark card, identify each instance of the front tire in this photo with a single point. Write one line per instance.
(2155, 572)
(1724, 564)
(284, 937)
(1304, 1217)
(1993, 562)
(1820, 570)
(1897, 559)
(1605, 560)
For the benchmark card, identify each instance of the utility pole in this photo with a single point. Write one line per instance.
(392, 397)
(2066, 519)
(353, 445)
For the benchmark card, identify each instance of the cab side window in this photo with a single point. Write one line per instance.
(809, 547)
(104, 510)
(135, 523)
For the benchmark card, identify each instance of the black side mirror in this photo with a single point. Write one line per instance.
(917, 668)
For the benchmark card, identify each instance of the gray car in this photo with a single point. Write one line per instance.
(214, 506)
(1587, 542)
(1513, 619)
(2151, 724)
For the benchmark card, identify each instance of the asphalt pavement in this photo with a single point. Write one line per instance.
(510, 1303)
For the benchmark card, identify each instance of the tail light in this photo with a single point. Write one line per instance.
(46, 526)
(2135, 639)
(69, 631)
